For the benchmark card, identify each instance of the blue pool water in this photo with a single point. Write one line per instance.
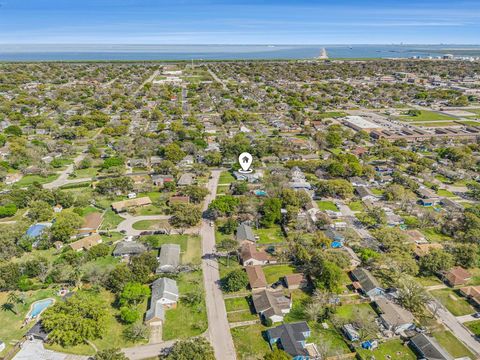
(39, 306)
(260, 193)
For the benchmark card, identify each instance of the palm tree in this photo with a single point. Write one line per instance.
(14, 299)
(9, 307)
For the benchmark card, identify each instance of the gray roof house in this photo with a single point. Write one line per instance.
(428, 348)
(245, 232)
(130, 248)
(186, 179)
(394, 317)
(272, 304)
(169, 258)
(366, 282)
(164, 296)
(291, 337)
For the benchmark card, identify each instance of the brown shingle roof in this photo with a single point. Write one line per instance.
(249, 251)
(86, 242)
(256, 277)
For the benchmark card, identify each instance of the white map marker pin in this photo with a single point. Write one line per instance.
(245, 160)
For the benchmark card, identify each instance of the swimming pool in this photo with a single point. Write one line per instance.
(260, 193)
(38, 307)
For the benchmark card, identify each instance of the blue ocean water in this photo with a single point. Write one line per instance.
(222, 52)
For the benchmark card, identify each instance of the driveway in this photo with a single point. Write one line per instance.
(126, 225)
(147, 351)
(35, 350)
(218, 327)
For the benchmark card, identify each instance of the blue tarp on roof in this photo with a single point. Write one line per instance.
(35, 230)
(336, 244)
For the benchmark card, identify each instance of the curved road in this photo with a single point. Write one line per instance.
(126, 225)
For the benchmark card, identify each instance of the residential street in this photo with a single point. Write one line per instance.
(127, 225)
(218, 328)
(460, 331)
(147, 351)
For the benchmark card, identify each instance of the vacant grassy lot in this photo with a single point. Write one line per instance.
(335, 340)
(110, 220)
(348, 312)
(226, 178)
(150, 224)
(186, 320)
(450, 343)
(250, 342)
(426, 116)
(433, 235)
(327, 205)
(457, 305)
(274, 273)
(239, 303)
(392, 350)
(356, 206)
(445, 193)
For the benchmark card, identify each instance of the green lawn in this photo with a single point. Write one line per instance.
(433, 235)
(327, 205)
(226, 178)
(335, 340)
(226, 266)
(186, 320)
(445, 193)
(272, 235)
(239, 303)
(457, 305)
(428, 280)
(427, 116)
(150, 224)
(347, 312)
(391, 350)
(244, 315)
(356, 206)
(110, 220)
(84, 173)
(378, 192)
(30, 179)
(454, 346)
(274, 273)
(249, 342)
(474, 326)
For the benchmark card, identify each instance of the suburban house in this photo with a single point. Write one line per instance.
(427, 197)
(249, 255)
(365, 282)
(421, 250)
(451, 205)
(179, 199)
(365, 193)
(124, 205)
(295, 281)
(169, 258)
(456, 276)
(186, 179)
(416, 237)
(91, 223)
(358, 181)
(252, 177)
(244, 233)
(160, 180)
(86, 243)
(394, 317)
(129, 248)
(272, 304)
(428, 348)
(472, 293)
(164, 296)
(291, 338)
(256, 277)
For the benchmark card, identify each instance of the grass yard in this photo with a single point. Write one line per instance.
(110, 220)
(330, 337)
(226, 178)
(243, 315)
(428, 280)
(445, 193)
(104, 264)
(272, 235)
(149, 224)
(457, 305)
(84, 173)
(327, 205)
(356, 206)
(474, 326)
(186, 320)
(377, 192)
(274, 273)
(223, 189)
(348, 312)
(250, 343)
(30, 179)
(238, 303)
(427, 116)
(226, 266)
(392, 350)
(450, 343)
(475, 280)
(433, 235)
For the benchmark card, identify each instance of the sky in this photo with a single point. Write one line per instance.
(295, 22)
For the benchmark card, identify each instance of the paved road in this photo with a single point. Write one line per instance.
(127, 224)
(218, 328)
(35, 350)
(63, 178)
(147, 351)
(217, 79)
(466, 318)
(460, 331)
